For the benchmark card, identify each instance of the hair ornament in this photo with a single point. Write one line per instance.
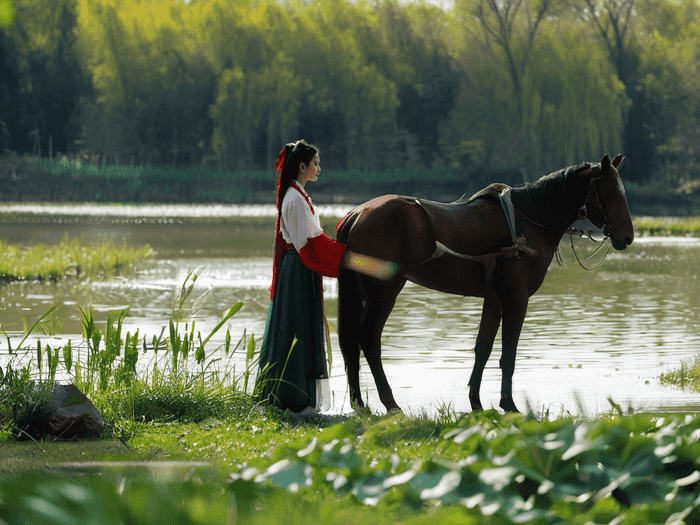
(280, 159)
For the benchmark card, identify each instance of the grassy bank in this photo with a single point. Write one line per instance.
(69, 257)
(476, 468)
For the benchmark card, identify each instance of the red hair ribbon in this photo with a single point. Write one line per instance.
(280, 159)
(280, 244)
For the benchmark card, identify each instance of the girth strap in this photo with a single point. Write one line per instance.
(509, 210)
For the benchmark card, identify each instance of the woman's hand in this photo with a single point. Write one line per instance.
(370, 266)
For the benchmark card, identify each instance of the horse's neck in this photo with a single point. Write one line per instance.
(548, 204)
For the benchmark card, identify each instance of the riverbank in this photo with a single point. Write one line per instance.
(62, 180)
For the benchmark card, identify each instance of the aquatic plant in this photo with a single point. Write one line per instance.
(686, 375)
(483, 467)
(70, 257)
(130, 378)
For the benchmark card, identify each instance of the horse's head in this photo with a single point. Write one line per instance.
(606, 206)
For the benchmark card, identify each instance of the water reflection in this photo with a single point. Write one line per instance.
(587, 336)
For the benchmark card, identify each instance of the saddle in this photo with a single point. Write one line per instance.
(501, 192)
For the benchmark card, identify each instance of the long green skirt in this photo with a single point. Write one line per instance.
(288, 370)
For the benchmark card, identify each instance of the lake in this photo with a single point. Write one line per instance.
(588, 335)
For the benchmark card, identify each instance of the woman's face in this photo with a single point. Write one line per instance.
(309, 172)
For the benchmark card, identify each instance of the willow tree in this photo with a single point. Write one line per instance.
(513, 25)
(653, 83)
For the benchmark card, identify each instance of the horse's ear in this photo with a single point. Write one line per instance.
(617, 160)
(605, 163)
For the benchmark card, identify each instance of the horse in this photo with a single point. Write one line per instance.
(470, 247)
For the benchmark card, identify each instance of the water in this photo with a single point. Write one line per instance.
(588, 336)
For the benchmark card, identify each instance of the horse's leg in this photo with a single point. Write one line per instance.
(349, 321)
(488, 328)
(514, 309)
(380, 302)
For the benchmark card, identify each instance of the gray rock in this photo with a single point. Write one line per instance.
(72, 415)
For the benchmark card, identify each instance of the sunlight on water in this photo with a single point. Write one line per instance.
(161, 210)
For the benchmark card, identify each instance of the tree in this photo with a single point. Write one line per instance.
(513, 25)
(44, 79)
(648, 77)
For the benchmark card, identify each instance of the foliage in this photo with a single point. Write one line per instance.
(7, 13)
(377, 85)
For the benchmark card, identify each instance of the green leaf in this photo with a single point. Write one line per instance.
(227, 315)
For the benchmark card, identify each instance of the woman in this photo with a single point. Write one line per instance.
(292, 357)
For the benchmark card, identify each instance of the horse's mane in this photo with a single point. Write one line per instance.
(534, 196)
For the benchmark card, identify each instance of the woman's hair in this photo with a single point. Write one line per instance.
(295, 153)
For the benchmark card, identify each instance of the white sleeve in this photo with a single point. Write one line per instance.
(298, 224)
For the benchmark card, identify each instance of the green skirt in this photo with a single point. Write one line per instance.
(288, 370)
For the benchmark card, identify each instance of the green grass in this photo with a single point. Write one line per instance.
(69, 257)
(667, 225)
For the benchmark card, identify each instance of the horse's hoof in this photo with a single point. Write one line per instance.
(509, 406)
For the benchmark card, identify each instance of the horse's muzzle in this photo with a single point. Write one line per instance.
(621, 244)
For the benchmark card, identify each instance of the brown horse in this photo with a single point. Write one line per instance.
(466, 248)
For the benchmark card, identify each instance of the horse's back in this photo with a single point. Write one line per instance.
(405, 229)
(392, 227)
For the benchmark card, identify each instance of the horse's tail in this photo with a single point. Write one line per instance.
(350, 306)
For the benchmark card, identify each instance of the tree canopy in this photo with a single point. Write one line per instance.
(529, 85)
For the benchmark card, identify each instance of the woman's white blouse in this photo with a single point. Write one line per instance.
(298, 224)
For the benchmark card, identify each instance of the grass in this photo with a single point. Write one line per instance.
(69, 257)
(667, 225)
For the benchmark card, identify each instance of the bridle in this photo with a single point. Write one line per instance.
(583, 214)
(583, 210)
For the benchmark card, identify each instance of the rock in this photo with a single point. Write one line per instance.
(72, 415)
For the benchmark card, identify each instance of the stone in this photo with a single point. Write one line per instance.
(72, 415)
